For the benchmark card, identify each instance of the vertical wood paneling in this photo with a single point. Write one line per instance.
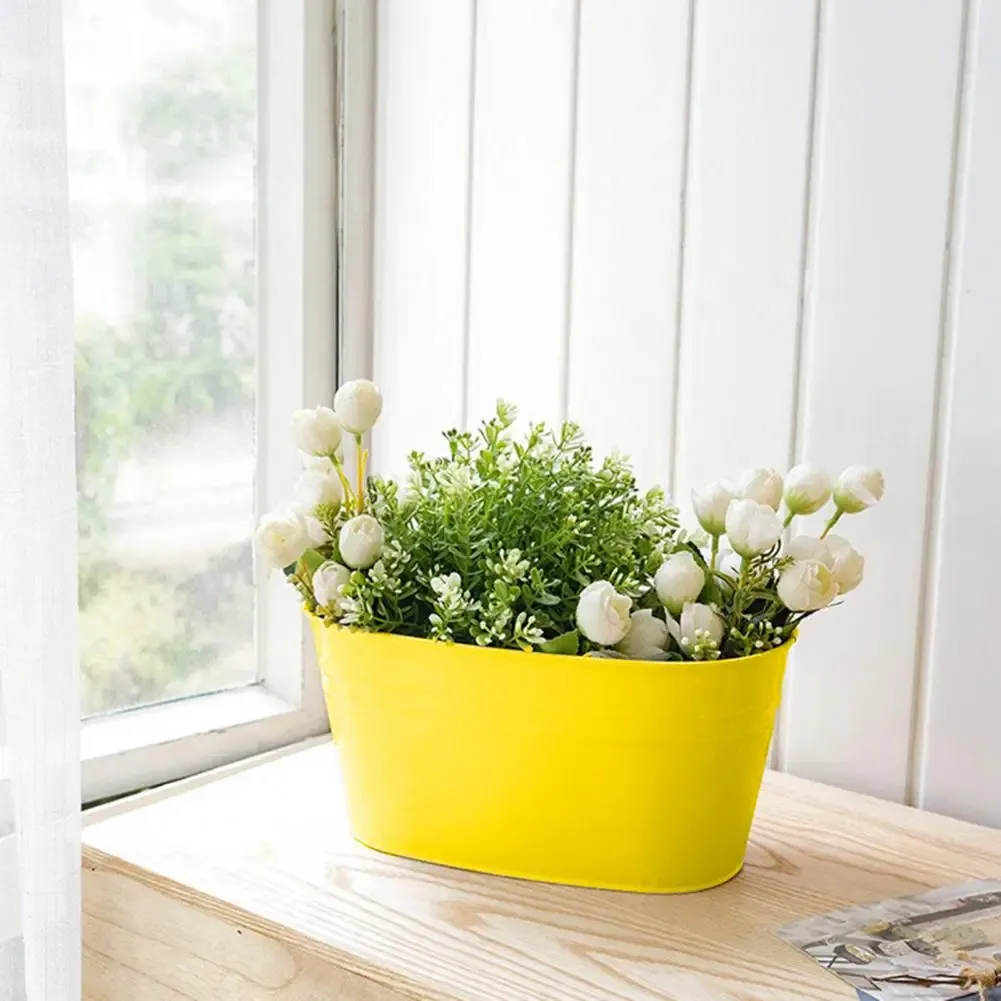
(886, 107)
(750, 136)
(630, 161)
(422, 170)
(521, 201)
(961, 761)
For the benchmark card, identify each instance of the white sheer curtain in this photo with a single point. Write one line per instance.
(39, 699)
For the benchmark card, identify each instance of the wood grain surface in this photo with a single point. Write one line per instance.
(250, 887)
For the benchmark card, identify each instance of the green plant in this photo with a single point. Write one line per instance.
(530, 544)
(493, 543)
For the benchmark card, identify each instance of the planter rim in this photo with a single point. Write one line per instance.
(378, 637)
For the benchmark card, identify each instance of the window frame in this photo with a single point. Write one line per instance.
(305, 109)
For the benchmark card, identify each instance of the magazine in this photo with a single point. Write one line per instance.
(936, 946)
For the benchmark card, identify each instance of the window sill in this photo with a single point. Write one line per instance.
(139, 748)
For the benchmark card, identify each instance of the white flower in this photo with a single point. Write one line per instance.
(858, 487)
(318, 486)
(360, 541)
(314, 530)
(847, 564)
(711, 503)
(281, 538)
(752, 528)
(646, 638)
(320, 463)
(807, 586)
(727, 561)
(761, 485)
(697, 622)
(678, 580)
(809, 547)
(316, 431)
(603, 613)
(807, 489)
(328, 582)
(358, 404)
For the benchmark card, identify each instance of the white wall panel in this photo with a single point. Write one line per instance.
(961, 759)
(521, 205)
(631, 129)
(748, 171)
(422, 170)
(885, 138)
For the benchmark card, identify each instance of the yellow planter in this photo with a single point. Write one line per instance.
(630, 775)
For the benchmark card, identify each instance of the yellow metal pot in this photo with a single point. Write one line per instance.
(629, 775)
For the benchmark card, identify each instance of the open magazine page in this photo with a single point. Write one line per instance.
(935, 946)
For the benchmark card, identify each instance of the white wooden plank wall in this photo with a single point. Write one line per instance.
(630, 165)
(719, 235)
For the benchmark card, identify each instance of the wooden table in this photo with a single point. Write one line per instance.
(248, 886)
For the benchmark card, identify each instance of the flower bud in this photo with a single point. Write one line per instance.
(328, 582)
(807, 586)
(678, 580)
(847, 564)
(696, 621)
(316, 431)
(711, 503)
(807, 489)
(761, 485)
(809, 547)
(317, 486)
(358, 404)
(752, 528)
(858, 487)
(281, 538)
(603, 614)
(360, 541)
(647, 636)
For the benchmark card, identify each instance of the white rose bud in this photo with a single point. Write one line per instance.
(358, 404)
(646, 638)
(678, 580)
(360, 541)
(727, 561)
(761, 485)
(807, 489)
(316, 533)
(603, 613)
(317, 487)
(807, 586)
(847, 564)
(711, 503)
(809, 547)
(281, 538)
(752, 528)
(316, 431)
(696, 619)
(328, 581)
(858, 487)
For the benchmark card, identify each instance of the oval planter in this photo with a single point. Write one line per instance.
(629, 775)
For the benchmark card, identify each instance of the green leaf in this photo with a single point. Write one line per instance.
(548, 599)
(567, 643)
(311, 560)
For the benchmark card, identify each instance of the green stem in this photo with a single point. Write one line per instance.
(788, 520)
(360, 467)
(345, 482)
(738, 597)
(832, 521)
(714, 552)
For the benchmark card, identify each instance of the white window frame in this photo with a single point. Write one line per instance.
(314, 90)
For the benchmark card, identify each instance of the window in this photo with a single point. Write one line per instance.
(201, 141)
